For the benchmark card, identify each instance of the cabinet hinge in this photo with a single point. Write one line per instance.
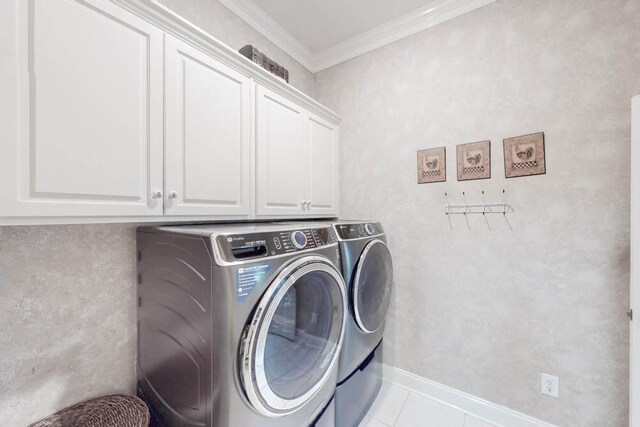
(630, 314)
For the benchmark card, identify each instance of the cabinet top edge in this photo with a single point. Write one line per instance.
(154, 220)
(179, 27)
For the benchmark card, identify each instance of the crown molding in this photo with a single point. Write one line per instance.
(399, 28)
(253, 15)
(406, 25)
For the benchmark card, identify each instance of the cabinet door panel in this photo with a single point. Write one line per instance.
(281, 156)
(323, 167)
(208, 135)
(88, 137)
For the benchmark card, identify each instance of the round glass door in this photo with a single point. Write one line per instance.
(372, 286)
(294, 338)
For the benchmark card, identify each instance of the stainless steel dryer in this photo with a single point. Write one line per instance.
(368, 271)
(239, 325)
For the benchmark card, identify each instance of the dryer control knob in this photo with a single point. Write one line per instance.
(298, 239)
(369, 229)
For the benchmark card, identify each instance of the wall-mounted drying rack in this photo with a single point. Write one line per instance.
(483, 209)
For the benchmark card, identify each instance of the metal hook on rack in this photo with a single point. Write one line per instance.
(506, 209)
(484, 211)
(446, 196)
(466, 209)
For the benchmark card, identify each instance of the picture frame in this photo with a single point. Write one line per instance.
(432, 165)
(524, 155)
(474, 160)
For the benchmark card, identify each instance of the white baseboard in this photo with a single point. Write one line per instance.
(468, 403)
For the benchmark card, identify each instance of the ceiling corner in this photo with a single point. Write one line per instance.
(395, 30)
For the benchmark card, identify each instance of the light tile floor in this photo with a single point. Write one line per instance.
(398, 407)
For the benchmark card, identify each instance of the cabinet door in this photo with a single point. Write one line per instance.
(208, 135)
(83, 110)
(281, 160)
(323, 167)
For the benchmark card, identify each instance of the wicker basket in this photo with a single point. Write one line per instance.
(118, 410)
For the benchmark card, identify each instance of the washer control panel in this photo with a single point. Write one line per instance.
(244, 246)
(358, 230)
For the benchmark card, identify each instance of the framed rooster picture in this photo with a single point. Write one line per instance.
(524, 155)
(432, 165)
(474, 160)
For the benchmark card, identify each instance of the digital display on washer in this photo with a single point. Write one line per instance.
(251, 249)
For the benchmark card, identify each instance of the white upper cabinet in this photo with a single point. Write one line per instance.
(281, 156)
(323, 167)
(208, 135)
(81, 110)
(296, 160)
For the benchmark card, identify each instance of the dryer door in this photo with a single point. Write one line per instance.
(294, 339)
(372, 285)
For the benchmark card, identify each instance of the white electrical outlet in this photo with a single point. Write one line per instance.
(549, 385)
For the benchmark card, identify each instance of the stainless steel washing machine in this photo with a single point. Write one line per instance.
(239, 325)
(368, 272)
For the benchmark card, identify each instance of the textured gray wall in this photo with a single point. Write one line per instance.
(487, 311)
(68, 317)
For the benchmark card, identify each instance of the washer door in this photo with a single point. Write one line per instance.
(294, 339)
(372, 285)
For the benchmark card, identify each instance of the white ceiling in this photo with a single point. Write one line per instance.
(321, 33)
(320, 24)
